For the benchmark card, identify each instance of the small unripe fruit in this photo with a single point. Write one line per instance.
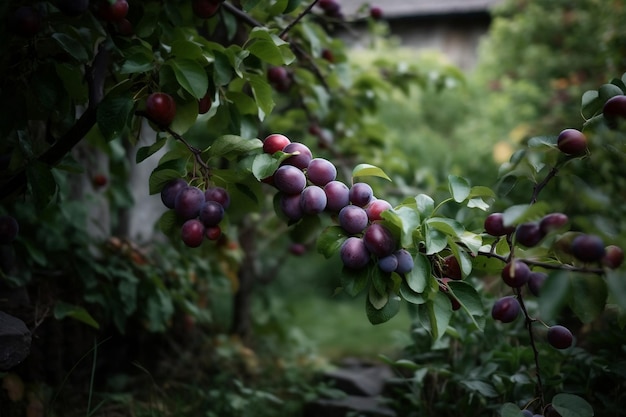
(588, 248)
(388, 264)
(99, 180)
(205, 103)
(572, 142)
(515, 273)
(297, 249)
(560, 337)
(279, 78)
(451, 268)
(376, 12)
(506, 309)
(213, 232)
(161, 108)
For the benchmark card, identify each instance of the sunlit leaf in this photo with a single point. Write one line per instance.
(367, 170)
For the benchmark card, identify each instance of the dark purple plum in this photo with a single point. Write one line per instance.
(321, 171)
(361, 194)
(72, 7)
(313, 200)
(388, 263)
(354, 254)
(291, 207)
(337, 195)
(553, 221)
(528, 234)
(211, 213)
(614, 110)
(494, 225)
(192, 233)
(26, 21)
(218, 194)
(572, 142)
(9, 228)
(300, 160)
(515, 273)
(588, 248)
(379, 240)
(289, 179)
(560, 337)
(506, 309)
(353, 219)
(535, 282)
(171, 190)
(188, 202)
(375, 208)
(405, 261)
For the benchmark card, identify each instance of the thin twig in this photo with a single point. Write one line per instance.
(540, 186)
(241, 15)
(546, 265)
(296, 20)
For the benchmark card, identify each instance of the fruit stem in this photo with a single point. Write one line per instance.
(546, 265)
(241, 15)
(529, 325)
(540, 185)
(197, 153)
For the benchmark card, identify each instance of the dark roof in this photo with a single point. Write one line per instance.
(411, 8)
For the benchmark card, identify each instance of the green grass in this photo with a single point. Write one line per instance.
(338, 327)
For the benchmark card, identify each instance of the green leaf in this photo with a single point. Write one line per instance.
(41, 183)
(160, 177)
(409, 221)
(330, 240)
(386, 312)
(436, 241)
(510, 410)
(137, 63)
(417, 279)
(409, 295)
(62, 310)
(186, 116)
(425, 205)
(588, 295)
(462, 257)
(448, 226)
(617, 287)
(554, 294)
(569, 405)
(481, 387)
(591, 104)
(435, 315)
(262, 92)
(481, 191)
(459, 188)
(470, 301)
(232, 146)
(542, 141)
(113, 115)
(168, 223)
(606, 91)
(146, 151)
(520, 213)
(264, 166)
(191, 76)
(367, 170)
(472, 241)
(354, 281)
(71, 46)
(377, 300)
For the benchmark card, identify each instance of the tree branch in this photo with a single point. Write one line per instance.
(296, 20)
(241, 15)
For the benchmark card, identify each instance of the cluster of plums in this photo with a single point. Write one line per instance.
(516, 273)
(308, 186)
(200, 211)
